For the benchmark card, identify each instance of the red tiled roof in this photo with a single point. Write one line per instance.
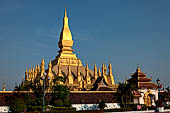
(147, 85)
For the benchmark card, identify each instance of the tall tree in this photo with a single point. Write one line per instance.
(125, 93)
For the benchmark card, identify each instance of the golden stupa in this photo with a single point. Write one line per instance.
(66, 64)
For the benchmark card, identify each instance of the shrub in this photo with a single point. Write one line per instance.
(58, 103)
(18, 106)
(66, 102)
(159, 103)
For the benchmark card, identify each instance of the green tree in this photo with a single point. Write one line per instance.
(60, 93)
(18, 105)
(124, 93)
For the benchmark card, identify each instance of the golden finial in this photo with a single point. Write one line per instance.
(65, 13)
(110, 65)
(99, 73)
(103, 69)
(95, 72)
(49, 65)
(110, 74)
(87, 65)
(26, 70)
(38, 67)
(42, 61)
(3, 87)
(32, 69)
(29, 70)
(138, 69)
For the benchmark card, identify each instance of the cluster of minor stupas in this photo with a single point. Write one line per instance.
(66, 64)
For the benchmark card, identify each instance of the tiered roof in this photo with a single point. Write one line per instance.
(141, 81)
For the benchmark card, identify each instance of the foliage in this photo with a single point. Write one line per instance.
(18, 105)
(124, 93)
(58, 103)
(52, 109)
(34, 108)
(102, 104)
(26, 86)
(60, 94)
(159, 103)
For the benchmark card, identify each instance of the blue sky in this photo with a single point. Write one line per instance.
(125, 32)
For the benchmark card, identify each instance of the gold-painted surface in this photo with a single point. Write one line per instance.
(111, 74)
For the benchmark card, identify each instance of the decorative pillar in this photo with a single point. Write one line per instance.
(59, 70)
(103, 69)
(104, 72)
(26, 74)
(99, 73)
(3, 87)
(42, 67)
(35, 72)
(33, 75)
(110, 74)
(88, 79)
(38, 69)
(50, 75)
(95, 72)
(29, 74)
(70, 76)
(79, 77)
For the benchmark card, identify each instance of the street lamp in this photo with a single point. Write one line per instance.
(43, 78)
(158, 83)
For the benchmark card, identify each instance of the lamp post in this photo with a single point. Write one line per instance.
(43, 78)
(158, 83)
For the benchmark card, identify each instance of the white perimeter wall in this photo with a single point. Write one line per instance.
(4, 109)
(95, 106)
(141, 99)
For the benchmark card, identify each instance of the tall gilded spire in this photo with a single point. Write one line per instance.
(103, 70)
(99, 73)
(65, 44)
(110, 74)
(49, 67)
(65, 36)
(87, 74)
(78, 73)
(38, 68)
(42, 66)
(70, 77)
(95, 72)
(35, 72)
(33, 75)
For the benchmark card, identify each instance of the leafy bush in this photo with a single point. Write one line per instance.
(53, 109)
(18, 105)
(58, 103)
(102, 104)
(34, 108)
(159, 103)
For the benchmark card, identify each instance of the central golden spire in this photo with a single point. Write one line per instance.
(65, 36)
(65, 44)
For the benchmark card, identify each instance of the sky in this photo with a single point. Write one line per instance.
(125, 32)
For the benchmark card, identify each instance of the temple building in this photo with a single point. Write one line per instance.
(66, 64)
(147, 90)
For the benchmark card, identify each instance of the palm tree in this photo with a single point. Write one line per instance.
(125, 93)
